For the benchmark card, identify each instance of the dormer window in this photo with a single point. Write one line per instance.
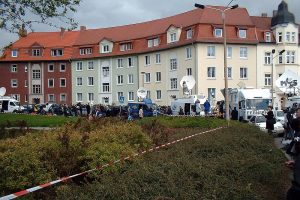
(153, 42)
(126, 46)
(268, 37)
(242, 33)
(218, 32)
(173, 37)
(189, 33)
(105, 48)
(57, 52)
(14, 53)
(36, 52)
(84, 51)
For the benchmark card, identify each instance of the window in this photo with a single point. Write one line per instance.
(14, 83)
(130, 78)
(26, 68)
(173, 83)
(229, 72)
(36, 52)
(62, 67)
(79, 81)
(242, 33)
(79, 66)
(130, 96)
(268, 37)
(26, 98)
(90, 97)
(243, 52)
(148, 94)
(189, 53)
(130, 62)
(126, 46)
(243, 73)
(158, 76)
(211, 51)
(51, 98)
(173, 37)
(62, 82)
(26, 83)
(147, 78)
(158, 94)
(79, 97)
(105, 48)
(36, 74)
(157, 58)
(229, 52)
(279, 37)
(90, 81)
(51, 83)
(105, 87)
(105, 71)
(280, 58)
(153, 42)
(267, 58)
(50, 67)
(90, 65)
(120, 79)
(147, 60)
(211, 93)
(288, 36)
(106, 100)
(293, 37)
(84, 51)
(57, 52)
(120, 94)
(268, 80)
(63, 97)
(36, 89)
(13, 68)
(211, 72)
(14, 53)
(120, 63)
(189, 33)
(218, 32)
(173, 64)
(290, 57)
(189, 71)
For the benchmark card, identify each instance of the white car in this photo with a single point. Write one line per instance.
(260, 121)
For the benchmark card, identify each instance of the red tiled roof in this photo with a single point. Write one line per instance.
(263, 25)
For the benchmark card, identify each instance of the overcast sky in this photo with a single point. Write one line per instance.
(107, 13)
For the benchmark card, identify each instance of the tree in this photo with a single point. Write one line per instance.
(16, 16)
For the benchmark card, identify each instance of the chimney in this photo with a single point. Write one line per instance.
(264, 14)
(82, 28)
(274, 13)
(62, 32)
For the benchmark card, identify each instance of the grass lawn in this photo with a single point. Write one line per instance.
(34, 120)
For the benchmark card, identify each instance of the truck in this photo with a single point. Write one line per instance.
(249, 101)
(149, 109)
(10, 105)
(190, 105)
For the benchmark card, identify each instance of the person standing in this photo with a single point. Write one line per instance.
(206, 107)
(234, 114)
(270, 120)
(141, 113)
(295, 123)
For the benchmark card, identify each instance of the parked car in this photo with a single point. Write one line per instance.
(28, 108)
(260, 121)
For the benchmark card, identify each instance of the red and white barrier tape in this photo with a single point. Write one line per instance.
(33, 189)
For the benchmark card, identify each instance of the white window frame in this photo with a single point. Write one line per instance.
(268, 80)
(211, 51)
(130, 79)
(229, 52)
(105, 87)
(147, 78)
(189, 71)
(36, 89)
(119, 94)
(293, 37)
(60, 67)
(14, 83)
(120, 63)
(268, 58)
(62, 97)
(189, 33)
(79, 81)
(26, 83)
(51, 98)
(14, 68)
(130, 62)
(36, 74)
(157, 58)
(14, 53)
(268, 37)
(120, 80)
(242, 33)
(188, 53)
(158, 77)
(243, 52)
(36, 52)
(173, 64)
(90, 65)
(158, 94)
(229, 72)
(173, 37)
(60, 82)
(243, 73)
(105, 71)
(211, 72)
(57, 52)
(90, 97)
(90, 81)
(79, 97)
(218, 32)
(79, 66)
(51, 79)
(288, 36)
(173, 83)
(51, 64)
(130, 96)
(147, 60)
(105, 48)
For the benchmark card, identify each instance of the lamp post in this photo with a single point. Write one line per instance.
(272, 72)
(222, 11)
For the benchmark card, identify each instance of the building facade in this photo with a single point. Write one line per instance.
(99, 66)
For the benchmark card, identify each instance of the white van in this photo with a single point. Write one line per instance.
(188, 105)
(9, 105)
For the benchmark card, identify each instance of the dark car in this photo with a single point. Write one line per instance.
(28, 108)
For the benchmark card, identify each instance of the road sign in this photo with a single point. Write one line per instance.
(121, 99)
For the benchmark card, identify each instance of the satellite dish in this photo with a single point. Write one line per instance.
(187, 83)
(2, 91)
(142, 92)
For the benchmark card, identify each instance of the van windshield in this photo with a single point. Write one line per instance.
(257, 104)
